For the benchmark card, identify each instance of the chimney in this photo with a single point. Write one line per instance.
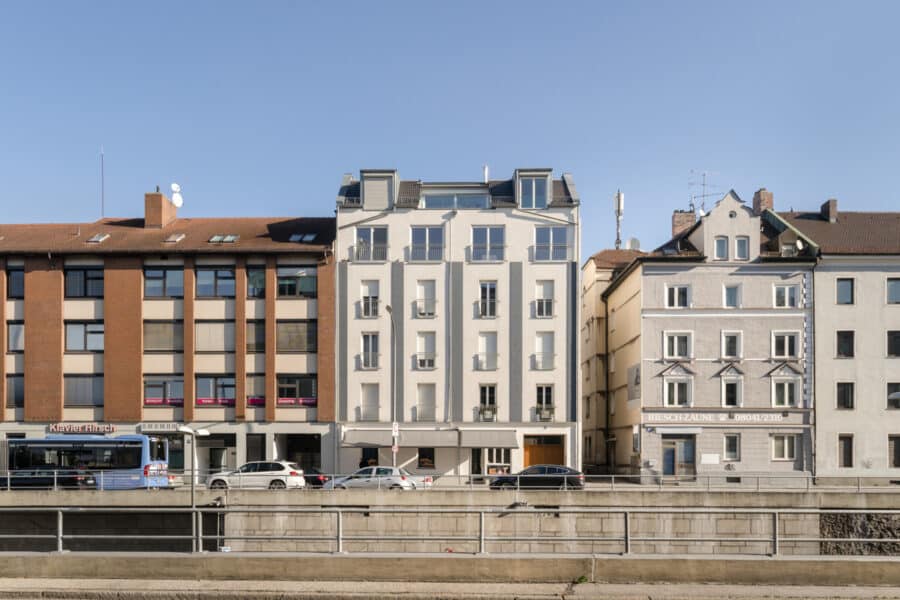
(158, 210)
(829, 210)
(762, 200)
(682, 220)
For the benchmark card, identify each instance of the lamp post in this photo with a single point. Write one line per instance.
(194, 435)
(395, 426)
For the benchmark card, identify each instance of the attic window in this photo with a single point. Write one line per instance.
(98, 238)
(229, 238)
(302, 237)
(174, 238)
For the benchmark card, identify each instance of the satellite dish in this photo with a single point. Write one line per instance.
(177, 199)
(702, 213)
(176, 188)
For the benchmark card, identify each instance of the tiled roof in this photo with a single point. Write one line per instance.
(851, 233)
(255, 234)
(615, 259)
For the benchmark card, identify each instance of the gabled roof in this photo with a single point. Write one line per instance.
(615, 259)
(784, 369)
(851, 232)
(676, 368)
(730, 369)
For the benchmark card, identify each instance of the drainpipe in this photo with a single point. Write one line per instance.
(610, 464)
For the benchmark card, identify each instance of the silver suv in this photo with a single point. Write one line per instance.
(390, 478)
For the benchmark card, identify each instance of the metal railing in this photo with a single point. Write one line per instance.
(368, 360)
(487, 309)
(425, 361)
(487, 253)
(425, 308)
(369, 307)
(542, 361)
(426, 253)
(545, 413)
(487, 413)
(370, 253)
(551, 252)
(486, 361)
(543, 308)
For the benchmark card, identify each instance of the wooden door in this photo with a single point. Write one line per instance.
(543, 450)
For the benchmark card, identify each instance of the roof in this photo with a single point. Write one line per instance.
(614, 259)
(255, 235)
(851, 233)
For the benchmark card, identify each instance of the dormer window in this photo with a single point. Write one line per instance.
(742, 248)
(533, 192)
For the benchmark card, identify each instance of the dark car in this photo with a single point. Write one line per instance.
(315, 478)
(62, 479)
(541, 477)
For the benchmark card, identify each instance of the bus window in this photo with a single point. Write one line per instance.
(157, 449)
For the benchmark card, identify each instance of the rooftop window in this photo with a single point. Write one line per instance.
(228, 238)
(455, 201)
(175, 238)
(302, 237)
(533, 192)
(98, 238)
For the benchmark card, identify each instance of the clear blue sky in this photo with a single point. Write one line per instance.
(258, 108)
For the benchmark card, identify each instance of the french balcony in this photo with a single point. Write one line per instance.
(426, 253)
(486, 309)
(368, 307)
(490, 253)
(542, 361)
(425, 361)
(426, 308)
(425, 413)
(551, 253)
(486, 361)
(369, 412)
(368, 361)
(370, 253)
(545, 412)
(487, 413)
(543, 308)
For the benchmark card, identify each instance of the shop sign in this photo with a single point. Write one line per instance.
(734, 417)
(82, 428)
(158, 427)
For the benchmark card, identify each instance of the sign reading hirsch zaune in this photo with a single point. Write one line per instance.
(82, 428)
(715, 417)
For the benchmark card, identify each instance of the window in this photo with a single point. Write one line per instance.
(297, 390)
(425, 350)
(369, 292)
(731, 344)
(215, 390)
(425, 402)
(256, 336)
(497, 460)
(451, 201)
(371, 243)
(845, 393)
(426, 458)
(551, 243)
(678, 392)
(297, 282)
(163, 336)
(487, 402)
(786, 296)
(677, 296)
(742, 248)
(425, 299)
(163, 390)
(721, 248)
(369, 358)
(586, 406)
(894, 451)
(544, 353)
(893, 290)
(214, 336)
(845, 292)
(487, 351)
(256, 282)
(487, 304)
(533, 192)
(784, 447)
(488, 243)
(845, 451)
(893, 343)
(543, 305)
(845, 345)
(731, 392)
(84, 283)
(15, 336)
(893, 395)
(84, 337)
(732, 296)
(296, 336)
(678, 345)
(368, 407)
(15, 283)
(162, 282)
(784, 393)
(83, 390)
(15, 391)
(784, 345)
(732, 447)
(215, 282)
(544, 404)
(255, 385)
(427, 243)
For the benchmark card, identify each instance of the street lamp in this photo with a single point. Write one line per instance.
(395, 426)
(194, 435)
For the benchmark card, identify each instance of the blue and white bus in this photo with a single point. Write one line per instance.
(116, 463)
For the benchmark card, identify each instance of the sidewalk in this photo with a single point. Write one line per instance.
(115, 589)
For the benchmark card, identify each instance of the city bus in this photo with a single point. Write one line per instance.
(87, 461)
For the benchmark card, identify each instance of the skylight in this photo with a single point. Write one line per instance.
(302, 237)
(175, 238)
(226, 238)
(98, 238)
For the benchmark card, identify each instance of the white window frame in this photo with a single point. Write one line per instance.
(790, 447)
(725, 457)
(687, 295)
(531, 180)
(837, 396)
(362, 350)
(852, 450)
(787, 287)
(797, 345)
(543, 304)
(737, 254)
(690, 345)
(690, 391)
(740, 294)
(740, 344)
(740, 390)
(887, 283)
(853, 285)
(795, 382)
(716, 240)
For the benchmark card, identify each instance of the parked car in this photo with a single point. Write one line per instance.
(541, 476)
(49, 478)
(315, 478)
(275, 475)
(391, 478)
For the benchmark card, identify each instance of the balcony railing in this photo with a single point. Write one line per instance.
(425, 412)
(490, 253)
(370, 253)
(426, 253)
(369, 412)
(425, 308)
(545, 412)
(486, 361)
(487, 309)
(369, 307)
(542, 361)
(425, 361)
(543, 308)
(368, 360)
(551, 252)
(487, 413)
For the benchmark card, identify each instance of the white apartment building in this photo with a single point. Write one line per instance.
(456, 318)
(857, 319)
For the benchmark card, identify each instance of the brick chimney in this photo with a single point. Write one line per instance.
(158, 210)
(682, 220)
(829, 210)
(762, 200)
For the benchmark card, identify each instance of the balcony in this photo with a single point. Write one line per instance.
(551, 252)
(545, 412)
(486, 309)
(490, 253)
(487, 413)
(425, 413)
(369, 253)
(425, 361)
(543, 308)
(486, 361)
(425, 308)
(542, 361)
(368, 361)
(369, 412)
(368, 308)
(425, 253)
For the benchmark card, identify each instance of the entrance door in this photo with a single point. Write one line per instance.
(679, 456)
(543, 450)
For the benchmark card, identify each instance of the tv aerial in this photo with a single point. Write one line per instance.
(177, 199)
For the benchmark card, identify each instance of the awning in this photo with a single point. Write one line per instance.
(428, 438)
(367, 438)
(488, 438)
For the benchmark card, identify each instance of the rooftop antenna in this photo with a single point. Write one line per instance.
(706, 190)
(102, 187)
(620, 210)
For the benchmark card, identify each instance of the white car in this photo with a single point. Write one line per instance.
(388, 478)
(275, 475)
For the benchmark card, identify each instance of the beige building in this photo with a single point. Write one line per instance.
(710, 343)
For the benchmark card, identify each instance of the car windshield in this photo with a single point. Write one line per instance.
(404, 472)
